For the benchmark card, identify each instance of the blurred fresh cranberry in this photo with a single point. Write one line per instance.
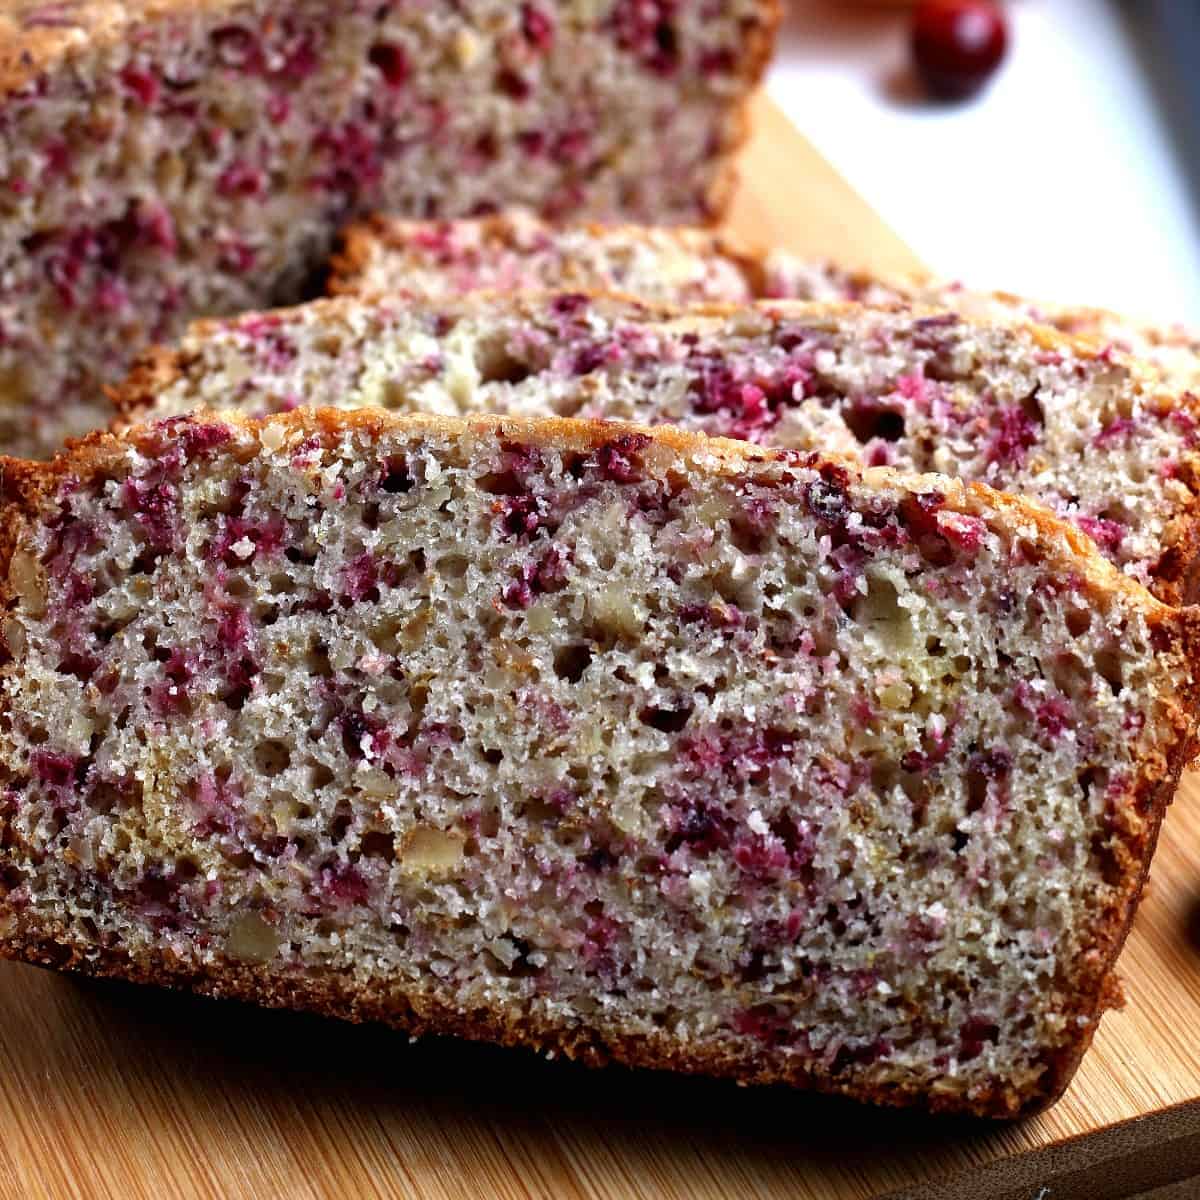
(957, 45)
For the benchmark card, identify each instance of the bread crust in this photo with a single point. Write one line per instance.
(1088, 986)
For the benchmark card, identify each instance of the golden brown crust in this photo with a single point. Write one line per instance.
(1087, 989)
(334, 996)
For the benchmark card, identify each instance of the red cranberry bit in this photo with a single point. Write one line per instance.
(1015, 434)
(169, 696)
(391, 62)
(513, 85)
(360, 580)
(519, 515)
(646, 28)
(237, 47)
(961, 530)
(141, 84)
(1114, 431)
(199, 438)
(53, 769)
(957, 45)
(1107, 534)
(345, 885)
(537, 28)
(240, 179)
(569, 304)
(619, 460)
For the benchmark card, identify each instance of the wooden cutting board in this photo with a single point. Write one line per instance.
(110, 1090)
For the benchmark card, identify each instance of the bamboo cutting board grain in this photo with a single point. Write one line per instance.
(109, 1090)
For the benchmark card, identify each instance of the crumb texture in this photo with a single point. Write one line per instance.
(166, 160)
(1091, 435)
(728, 760)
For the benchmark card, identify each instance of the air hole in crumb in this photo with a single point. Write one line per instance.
(317, 660)
(396, 480)
(958, 840)
(236, 697)
(1108, 664)
(493, 757)
(1090, 780)
(977, 790)
(453, 566)
(1106, 857)
(144, 564)
(319, 776)
(747, 539)
(339, 826)
(502, 483)
(272, 757)
(377, 844)
(496, 364)
(1031, 406)
(1079, 620)
(186, 868)
(570, 662)
(868, 422)
(666, 720)
(541, 811)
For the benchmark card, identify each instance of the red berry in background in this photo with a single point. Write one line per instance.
(957, 45)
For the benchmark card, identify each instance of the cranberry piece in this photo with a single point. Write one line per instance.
(957, 45)
(392, 63)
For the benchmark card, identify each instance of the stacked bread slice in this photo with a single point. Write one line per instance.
(1098, 438)
(769, 671)
(518, 252)
(638, 745)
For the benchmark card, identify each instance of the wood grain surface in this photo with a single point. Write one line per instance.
(110, 1090)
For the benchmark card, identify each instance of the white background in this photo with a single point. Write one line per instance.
(1062, 181)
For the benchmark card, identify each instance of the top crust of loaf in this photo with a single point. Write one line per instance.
(29, 491)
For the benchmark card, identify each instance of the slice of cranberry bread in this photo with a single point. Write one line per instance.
(516, 251)
(1097, 439)
(633, 745)
(168, 158)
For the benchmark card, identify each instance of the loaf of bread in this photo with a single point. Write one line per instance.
(168, 158)
(516, 251)
(1095, 437)
(631, 745)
